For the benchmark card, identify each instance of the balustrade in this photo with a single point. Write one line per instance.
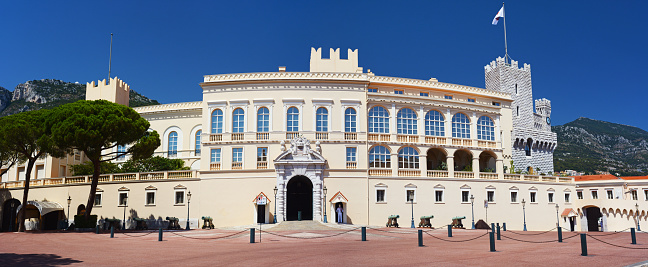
(379, 137)
(237, 165)
(292, 135)
(215, 137)
(351, 164)
(462, 174)
(409, 173)
(435, 140)
(214, 166)
(321, 136)
(263, 136)
(350, 136)
(262, 165)
(407, 138)
(487, 175)
(238, 136)
(437, 174)
(380, 172)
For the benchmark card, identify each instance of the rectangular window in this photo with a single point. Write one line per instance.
(610, 194)
(410, 196)
(425, 94)
(447, 96)
(215, 155)
(567, 197)
(490, 196)
(121, 151)
(579, 194)
(438, 196)
(532, 195)
(496, 104)
(594, 194)
(514, 197)
(179, 197)
(398, 92)
(465, 196)
(634, 194)
(471, 100)
(550, 197)
(373, 90)
(351, 154)
(237, 154)
(380, 195)
(98, 198)
(123, 198)
(262, 154)
(646, 194)
(150, 198)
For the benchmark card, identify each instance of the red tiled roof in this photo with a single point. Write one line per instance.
(595, 177)
(635, 178)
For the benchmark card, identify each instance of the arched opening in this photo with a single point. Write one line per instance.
(436, 159)
(9, 216)
(593, 215)
(463, 161)
(527, 148)
(299, 198)
(81, 209)
(487, 162)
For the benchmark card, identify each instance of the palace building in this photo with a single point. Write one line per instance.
(296, 145)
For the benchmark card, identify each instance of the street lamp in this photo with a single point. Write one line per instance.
(472, 208)
(412, 201)
(188, 202)
(557, 218)
(325, 190)
(275, 209)
(69, 201)
(524, 213)
(637, 216)
(125, 204)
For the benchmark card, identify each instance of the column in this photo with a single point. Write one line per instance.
(473, 128)
(475, 166)
(448, 125)
(423, 164)
(450, 162)
(499, 168)
(394, 162)
(421, 122)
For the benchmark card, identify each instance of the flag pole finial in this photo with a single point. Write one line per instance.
(110, 57)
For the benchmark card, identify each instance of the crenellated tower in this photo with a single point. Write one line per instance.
(116, 91)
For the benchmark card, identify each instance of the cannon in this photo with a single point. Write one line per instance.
(207, 222)
(392, 220)
(173, 223)
(141, 224)
(456, 222)
(425, 221)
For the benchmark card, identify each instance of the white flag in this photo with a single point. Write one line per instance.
(499, 15)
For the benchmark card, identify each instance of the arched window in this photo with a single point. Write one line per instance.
(460, 126)
(408, 158)
(292, 120)
(527, 147)
(350, 120)
(238, 120)
(321, 119)
(217, 121)
(197, 149)
(406, 119)
(263, 120)
(379, 157)
(434, 124)
(378, 120)
(121, 150)
(173, 144)
(485, 129)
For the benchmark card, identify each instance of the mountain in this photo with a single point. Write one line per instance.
(49, 93)
(589, 145)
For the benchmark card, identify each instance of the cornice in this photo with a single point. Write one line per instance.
(174, 107)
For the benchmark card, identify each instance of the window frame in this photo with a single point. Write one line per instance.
(424, 94)
(350, 120)
(489, 193)
(383, 188)
(442, 195)
(215, 155)
(514, 196)
(175, 196)
(237, 154)
(384, 157)
(216, 126)
(594, 193)
(568, 197)
(354, 156)
(407, 195)
(399, 91)
(292, 119)
(434, 125)
(146, 197)
(407, 160)
(197, 143)
(98, 195)
(533, 196)
(321, 120)
(406, 121)
(172, 144)
(263, 120)
(461, 127)
(551, 197)
(379, 118)
(262, 158)
(579, 194)
(238, 120)
(485, 128)
(119, 198)
(467, 191)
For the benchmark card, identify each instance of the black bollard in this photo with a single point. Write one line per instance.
(160, 235)
(420, 237)
(112, 231)
(492, 227)
(299, 215)
(449, 230)
(504, 227)
(97, 229)
(364, 233)
(633, 236)
(498, 232)
(491, 236)
(251, 235)
(583, 244)
(559, 234)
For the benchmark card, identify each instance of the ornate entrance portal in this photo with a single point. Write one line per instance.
(299, 198)
(299, 181)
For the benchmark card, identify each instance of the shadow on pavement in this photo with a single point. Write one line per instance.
(13, 259)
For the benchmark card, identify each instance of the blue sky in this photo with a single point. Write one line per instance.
(588, 57)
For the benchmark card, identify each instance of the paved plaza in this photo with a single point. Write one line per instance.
(314, 244)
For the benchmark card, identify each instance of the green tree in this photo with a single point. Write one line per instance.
(153, 164)
(24, 135)
(96, 128)
(87, 168)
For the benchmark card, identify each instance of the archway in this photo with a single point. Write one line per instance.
(81, 210)
(487, 161)
(593, 215)
(463, 160)
(299, 198)
(436, 159)
(9, 216)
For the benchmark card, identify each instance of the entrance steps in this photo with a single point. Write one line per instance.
(301, 225)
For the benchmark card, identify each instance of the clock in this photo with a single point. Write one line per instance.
(548, 120)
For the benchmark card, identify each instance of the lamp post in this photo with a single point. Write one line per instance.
(557, 218)
(125, 204)
(472, 208)
(524, 213)
(188, 202)
(412, 201)
(325, 190)
(275, 208)
(69, 201)
(637, 216)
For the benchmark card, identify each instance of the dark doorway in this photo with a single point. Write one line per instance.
(593, 215)
(50, 220)
(9, 216)
(300, 198)
(261, 214)
(81, 210)
(337, 216)
(572, 222)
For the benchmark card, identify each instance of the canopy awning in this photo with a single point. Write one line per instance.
(569, 213)
(44, 207)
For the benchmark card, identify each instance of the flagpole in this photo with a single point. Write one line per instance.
(505, 43)
(110, 58)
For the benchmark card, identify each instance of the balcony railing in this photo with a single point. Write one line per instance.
(215, 137)
(409, 173)
(407, 138)
(214, 166)
(379, 137)
(263, 136)
(350, 136)
(515, 177)
(435, 140)
(262, 164)
(488, 175)
(437, 174)
(321, 136)
(380, 172)
(292, 135)
(466, 175)
(104, 178)
(351, 165)
(237, 165)
(238, 136)
(462, 142)
(487, 144)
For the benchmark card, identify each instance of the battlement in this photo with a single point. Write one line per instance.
(543, 107)
(116, 91)
(334, 63)
(500, 62)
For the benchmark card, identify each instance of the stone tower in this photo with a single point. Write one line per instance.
(116, 91)
(532, 139)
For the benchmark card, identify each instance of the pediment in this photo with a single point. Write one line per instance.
(300, 151)
(339, 197)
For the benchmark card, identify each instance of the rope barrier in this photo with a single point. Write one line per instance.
(534, 233)
(381, 230)
(613, 233)
(613, 244)
(204, 238)
(313, 237)
(140, 235)
(538, 242)
(457, 240)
